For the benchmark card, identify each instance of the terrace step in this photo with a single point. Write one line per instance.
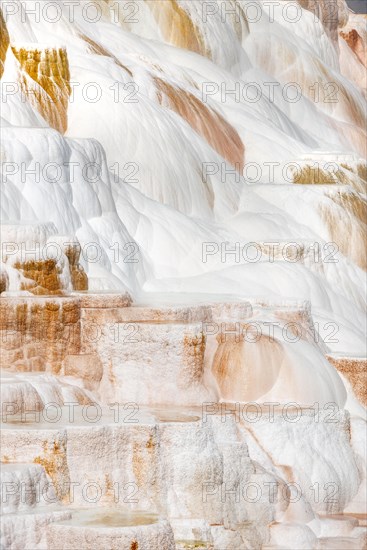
(111, 528)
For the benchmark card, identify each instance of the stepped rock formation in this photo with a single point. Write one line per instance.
(183, 275)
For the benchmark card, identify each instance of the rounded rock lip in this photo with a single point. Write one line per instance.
(109, 518)
(145, 416)
(347, 355)
(103, 299)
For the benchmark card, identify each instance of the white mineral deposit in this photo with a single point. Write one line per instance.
(183, 274)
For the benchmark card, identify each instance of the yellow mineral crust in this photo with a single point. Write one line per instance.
(48, 69)
(43, 277)
(339, 174)
(4, 42)
(177, 27)
(310, 175)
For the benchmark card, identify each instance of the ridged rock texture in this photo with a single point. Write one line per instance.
(45, 79)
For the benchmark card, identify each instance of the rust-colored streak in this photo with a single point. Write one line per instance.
(246, 370)
(79, 278)
(205, 121)
(54, 461)
(194, 351)
(4, 281)
(97, 49)
(355, 42)
(355, 370)
(143, 458)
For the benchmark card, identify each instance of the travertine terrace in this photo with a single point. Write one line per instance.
(183, 275)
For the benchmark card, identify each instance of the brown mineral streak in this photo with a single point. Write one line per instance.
(242, 369)
(109, 494)
(4, 281)
(216, 131)
(47, 68)
(54, 461)
(195, 346)
(176, 26)
(362, 171)
(346, 221)
(100, 50)
(355, 42)
(355, 370)
(343, 175)
(142, 460)
(43, 276)
(43, 334)
(79, 278)
(111, 375)
(194, 350)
